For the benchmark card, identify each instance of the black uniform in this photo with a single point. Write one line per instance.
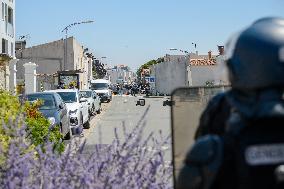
(248, 117)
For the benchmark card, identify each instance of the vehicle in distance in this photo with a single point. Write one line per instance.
(102, 88)
(54, 109)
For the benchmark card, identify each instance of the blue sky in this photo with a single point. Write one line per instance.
(132, 32)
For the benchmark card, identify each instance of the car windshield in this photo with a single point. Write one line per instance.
(47, 100)
(86, 94)
(68, 97)
(99, 86)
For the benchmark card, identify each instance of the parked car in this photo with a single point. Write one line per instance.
(54, 109)
(102, 88)
(94, 102)
(77, 108)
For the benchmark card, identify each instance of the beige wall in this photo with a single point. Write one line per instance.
(50, 58)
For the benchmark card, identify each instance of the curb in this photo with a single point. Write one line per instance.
(157, 96)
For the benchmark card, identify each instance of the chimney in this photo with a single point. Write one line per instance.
(221, 50)
(209, 55)
(196, 53)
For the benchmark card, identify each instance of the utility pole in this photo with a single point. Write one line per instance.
(66, 36)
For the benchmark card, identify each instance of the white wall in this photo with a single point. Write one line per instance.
(201, 74)
(170, 75)
(216, 73)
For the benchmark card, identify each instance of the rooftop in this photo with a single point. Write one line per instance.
(203, 62)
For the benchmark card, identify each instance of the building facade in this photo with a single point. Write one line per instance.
(191, 70)
(7, 27)
(7, 47)
(208, 70)
(49, 58)
(170, 74)
(120, 74)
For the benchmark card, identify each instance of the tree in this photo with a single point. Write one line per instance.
(99, 71)
(148, 64)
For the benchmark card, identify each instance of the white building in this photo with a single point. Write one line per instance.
(7, 47)
(170, 74)
(208, 69)
(49, 58)
(121, 74)
(190, 70)
(7, 27)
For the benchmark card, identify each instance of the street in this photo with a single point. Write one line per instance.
(123, 110)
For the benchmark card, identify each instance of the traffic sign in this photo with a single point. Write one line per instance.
(152, 80)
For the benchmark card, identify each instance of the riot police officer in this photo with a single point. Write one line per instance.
(255, 61)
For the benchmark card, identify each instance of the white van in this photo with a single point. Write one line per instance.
(102, 88)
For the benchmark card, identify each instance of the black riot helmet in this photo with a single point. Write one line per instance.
(255, 56)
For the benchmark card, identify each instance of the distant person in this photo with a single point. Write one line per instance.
(133, 90)
(117, 88)
(120, 89)
(240, 138)
(147, 89)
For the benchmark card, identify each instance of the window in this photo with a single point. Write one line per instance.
(12, 49)
(48, 100)
(86, 94)
(68, 97)
(10, 15)
(3, 46)
(6, 12)
(3, 11)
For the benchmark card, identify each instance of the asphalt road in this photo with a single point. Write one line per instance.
(123, 111)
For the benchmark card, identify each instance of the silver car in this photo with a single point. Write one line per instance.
(54, 109)
(94, 101)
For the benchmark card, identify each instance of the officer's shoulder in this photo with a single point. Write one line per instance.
(218, 99)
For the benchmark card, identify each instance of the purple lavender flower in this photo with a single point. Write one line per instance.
(129, 163)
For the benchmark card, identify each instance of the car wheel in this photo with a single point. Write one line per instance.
(93, 111)
(82, 122)
(81, 126)
(87, 124)
(68, 135)
(60, 128)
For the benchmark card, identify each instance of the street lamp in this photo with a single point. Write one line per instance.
(66, 34)
(104, 63)
(183, 51)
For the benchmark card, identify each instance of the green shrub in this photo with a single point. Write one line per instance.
(10, 110)
(38, 127)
